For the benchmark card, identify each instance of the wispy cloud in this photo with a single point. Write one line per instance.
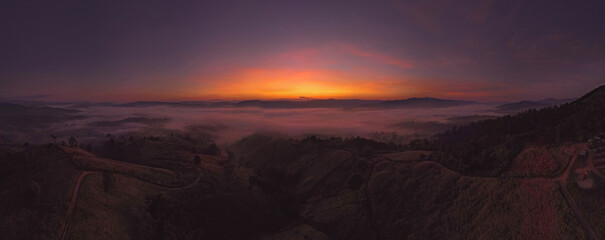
(379, 57)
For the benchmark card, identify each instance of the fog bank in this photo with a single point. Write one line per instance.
(226, 125)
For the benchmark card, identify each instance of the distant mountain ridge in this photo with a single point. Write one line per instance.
(16, 115)
(10, 109)
(426, 102)
(319, 103)
(511, 108)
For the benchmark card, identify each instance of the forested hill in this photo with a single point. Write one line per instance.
(487, 147)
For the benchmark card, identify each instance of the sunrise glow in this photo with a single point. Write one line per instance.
(288, 83)
(378, 50)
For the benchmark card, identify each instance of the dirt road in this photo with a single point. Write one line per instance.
(72, 203)
(561, 180)
(76, 191)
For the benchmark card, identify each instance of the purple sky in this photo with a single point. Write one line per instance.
(163, 50)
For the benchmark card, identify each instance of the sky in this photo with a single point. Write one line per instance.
(500, 50)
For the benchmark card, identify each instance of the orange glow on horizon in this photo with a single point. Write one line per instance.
(288, 83)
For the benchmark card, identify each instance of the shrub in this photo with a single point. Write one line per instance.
(197, 160)
(109, 181)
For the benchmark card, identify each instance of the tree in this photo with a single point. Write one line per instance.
(72, 141)
(109, 182)
(157, 206)
(355, 182)
(33, 193)
(212, 149)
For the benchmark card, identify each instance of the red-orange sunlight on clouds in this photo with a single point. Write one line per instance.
(334, 70)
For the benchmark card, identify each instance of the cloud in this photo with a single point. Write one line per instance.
(334, 54)
(435, 16)
(379, 57)
(331, 70)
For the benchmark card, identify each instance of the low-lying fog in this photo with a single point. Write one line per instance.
(226, 125)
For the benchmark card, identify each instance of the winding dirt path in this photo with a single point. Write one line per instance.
(585, 224)
(560, 179)
(72, 204)
(199, 176)
(439, 165)
(76, 191)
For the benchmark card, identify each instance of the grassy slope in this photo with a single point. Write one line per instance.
(412, 155)
(591, 201)
(426, 202)
(400, 198)
(88, 161)
(36, 186)
(117, 214)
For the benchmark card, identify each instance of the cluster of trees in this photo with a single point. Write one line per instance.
(212, 150)
(221, 210)
(361, 145)
(71, 141)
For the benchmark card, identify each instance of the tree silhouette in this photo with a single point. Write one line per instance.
(213, 150)
(109, 182)
(72, 141)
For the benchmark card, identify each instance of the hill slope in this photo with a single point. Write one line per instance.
(488, 147)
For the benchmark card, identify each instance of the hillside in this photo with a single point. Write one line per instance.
(487, 147)
(269, 187)
(57, 192)
(348, 189)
